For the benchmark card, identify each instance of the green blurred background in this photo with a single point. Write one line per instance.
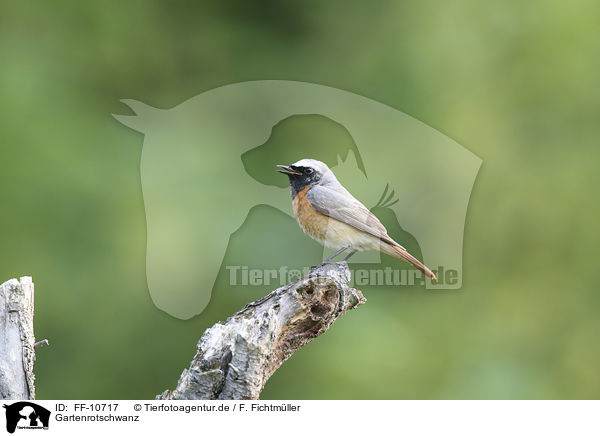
(514, 82)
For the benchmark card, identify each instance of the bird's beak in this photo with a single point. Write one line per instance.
(285, 169)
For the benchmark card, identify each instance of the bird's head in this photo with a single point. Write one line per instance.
(307, 172)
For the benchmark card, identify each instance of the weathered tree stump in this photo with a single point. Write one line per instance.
(235, 359)
(17, 341)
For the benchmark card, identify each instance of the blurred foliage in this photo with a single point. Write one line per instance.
(514, 82)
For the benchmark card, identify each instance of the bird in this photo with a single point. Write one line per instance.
(329, 214)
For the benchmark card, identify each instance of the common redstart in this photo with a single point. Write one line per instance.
(329, 214)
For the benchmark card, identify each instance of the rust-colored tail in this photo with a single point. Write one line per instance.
(399, 252)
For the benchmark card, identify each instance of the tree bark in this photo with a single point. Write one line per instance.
(235, 359)
(17, 341)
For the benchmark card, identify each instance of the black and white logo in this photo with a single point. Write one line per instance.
(26, 415)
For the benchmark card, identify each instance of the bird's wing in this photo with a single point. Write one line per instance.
(347, 209)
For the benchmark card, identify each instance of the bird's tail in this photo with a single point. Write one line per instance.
(400, 252)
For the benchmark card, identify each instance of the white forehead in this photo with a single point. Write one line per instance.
(313, 163)
(327, 176)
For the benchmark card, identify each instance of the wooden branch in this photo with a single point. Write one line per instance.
(234, 360)
(17, 340)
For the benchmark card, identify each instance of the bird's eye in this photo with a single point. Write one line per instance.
(309, 171)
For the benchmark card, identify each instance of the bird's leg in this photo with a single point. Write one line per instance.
(340, 251)
(352, 253)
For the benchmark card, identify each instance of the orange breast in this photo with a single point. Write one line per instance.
(312, 222)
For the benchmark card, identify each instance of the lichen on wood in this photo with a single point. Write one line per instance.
(235, 359)
(17, 340)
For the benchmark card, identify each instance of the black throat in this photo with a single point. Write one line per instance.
(305, 177)
(297, 184)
